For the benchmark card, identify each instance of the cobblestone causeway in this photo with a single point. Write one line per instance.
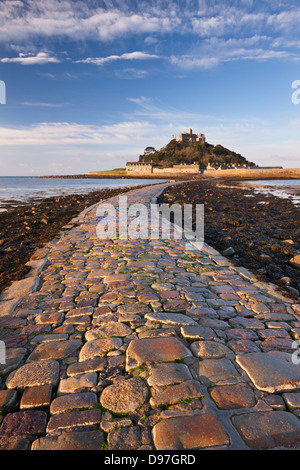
(145, 344)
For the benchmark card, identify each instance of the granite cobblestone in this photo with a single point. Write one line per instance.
(146, 344)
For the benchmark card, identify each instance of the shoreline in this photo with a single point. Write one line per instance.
(29, 226)
(260, 232)
(239, 174)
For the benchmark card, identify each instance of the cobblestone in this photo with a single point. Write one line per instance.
(145, 344)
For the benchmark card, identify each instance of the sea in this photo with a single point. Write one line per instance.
(286, 189)
(18, 190)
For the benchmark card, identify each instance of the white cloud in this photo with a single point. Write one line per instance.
(126, 56)
(42, 104)
(31, 59)
(65, 133)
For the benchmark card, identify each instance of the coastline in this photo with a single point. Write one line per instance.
(29, 226)
(260, 232)
(239, 174)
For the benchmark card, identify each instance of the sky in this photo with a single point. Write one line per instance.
(88, 85)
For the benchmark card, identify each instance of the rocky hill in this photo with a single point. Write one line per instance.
(175, 153)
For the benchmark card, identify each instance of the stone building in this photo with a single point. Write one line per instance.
(149, 168)
(139, 167)
(190, 137)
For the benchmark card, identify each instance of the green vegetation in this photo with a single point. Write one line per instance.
(175, 153)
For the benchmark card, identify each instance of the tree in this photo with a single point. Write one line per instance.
(149, 151)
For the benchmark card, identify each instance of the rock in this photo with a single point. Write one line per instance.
(168, 373)
(72, 402)
(75, 419)
(176, 393)
(270, 373)
(124, 439)
(125, 396)
(229, 397)
(36, 397)
(74, 440)
(295, 261)
(189, 432)
(149, 350)
(34, 374)
(98, 347)
(108, 329)
(55, 350)
(228, 251)
(31, 422)
(171, 319)
(269, 430)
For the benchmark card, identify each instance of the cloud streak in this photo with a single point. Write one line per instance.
(112, 58)
(30, 59)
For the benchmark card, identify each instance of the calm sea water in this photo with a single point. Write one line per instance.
(16, 190)
(280, 188)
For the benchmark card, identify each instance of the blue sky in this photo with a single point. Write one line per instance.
(90, 84)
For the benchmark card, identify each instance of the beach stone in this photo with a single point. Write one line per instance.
(108, 329)
(73, 401)
(295, 261)
(171, 318)
(147, 350)
(197, 332)
(54, 318)
(34, 374)
(125, 396)
(168, 373)
(127, 438)
(240, 333)
(36, 397)
(91, 365)
(115, 277)
(229, 397)
(243, 346)
(176, 305)
(189, 432)
(74, 440)
(77, 383)
(75, 419)
(269, 373)
(32, 422)
(176, 393)
(243, 322)
(268, 430)
(7, 399)
(48, 338)
(214, 323)
(210, 349)
(277, 343)
(135, 308)
(217, 372)
(55, 350)
(98, 347)
(292, 401)
(13, 359)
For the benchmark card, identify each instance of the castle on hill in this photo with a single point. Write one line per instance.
(190, 137)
